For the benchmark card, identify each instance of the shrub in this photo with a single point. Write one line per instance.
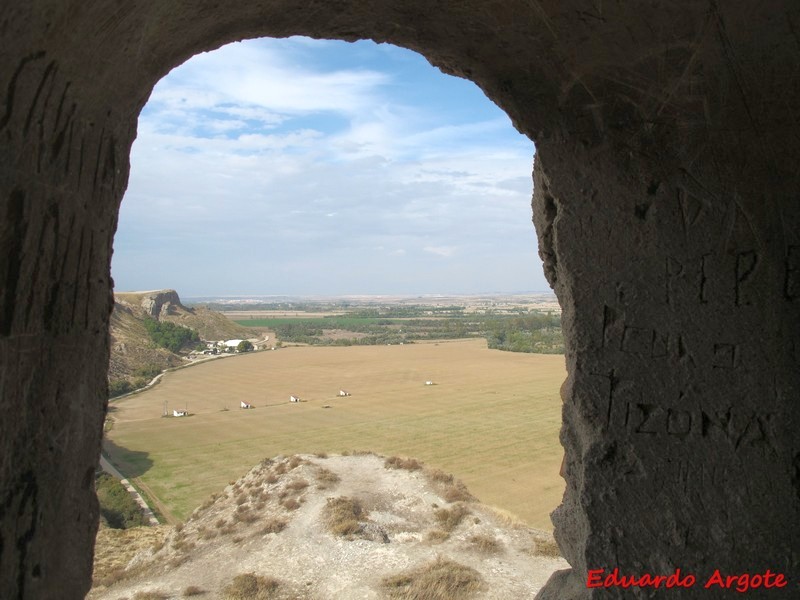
(547, 547)
(118, 387)
(249, 586)
(147, 372)
(290, 504)
(449, 518)
(116, 505)
(452, 490)
(457, 492)
(193, 590)
(342, 516)
(485, 544)
(326, 477)
(437, 536)
(441, 579)
(273, 526)
(150, 595)
(409, 464)
(297, 485)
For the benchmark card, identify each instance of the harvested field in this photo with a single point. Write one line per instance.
(492, 419)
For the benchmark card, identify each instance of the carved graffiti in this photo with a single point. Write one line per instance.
(721, 278)
(726, 356)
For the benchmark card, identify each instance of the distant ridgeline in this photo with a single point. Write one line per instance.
(521, 331)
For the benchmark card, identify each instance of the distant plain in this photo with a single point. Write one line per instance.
(492, 419)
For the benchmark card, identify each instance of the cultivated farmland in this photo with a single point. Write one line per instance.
(492, 419)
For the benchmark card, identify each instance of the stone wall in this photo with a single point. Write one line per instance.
(666, 204)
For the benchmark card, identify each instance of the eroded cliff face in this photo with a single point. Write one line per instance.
(668, 220)
(132, 350)
(160, 303)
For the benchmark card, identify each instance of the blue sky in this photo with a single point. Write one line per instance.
(302, 167)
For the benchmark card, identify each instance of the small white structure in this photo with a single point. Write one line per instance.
(244, 404)
(429, 383)
(180, 413)
(344, 393)
(232, 343)
(294, 399)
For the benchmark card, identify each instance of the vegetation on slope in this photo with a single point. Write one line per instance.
(117, 506)
(170, 336)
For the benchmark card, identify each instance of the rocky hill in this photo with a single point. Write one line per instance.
(132, 351)
(318, 527)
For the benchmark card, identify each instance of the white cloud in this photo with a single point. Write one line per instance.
(317, 168)
(445, 251)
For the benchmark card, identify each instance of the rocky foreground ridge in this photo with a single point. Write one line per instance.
(131, 347)
(318, 527)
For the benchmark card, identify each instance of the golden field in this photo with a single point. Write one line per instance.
(492, 419)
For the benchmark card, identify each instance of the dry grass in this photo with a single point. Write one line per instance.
(271, 478)
(396, 462)
(249, 586)
(291, 504)
(441, 579)
(116, 547)
(450, 488)
(343, 516)
(150, 595)
(273, 526)
(297, 485)
(193, 590)
(327, 477)
(450, 518)
(485, 544)
(437, 536)
(547, 547)
(295, 462)
(244, 516)
(490, 395)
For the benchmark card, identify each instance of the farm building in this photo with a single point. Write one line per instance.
(344, 393)
(429, 383)
(180, 413)
(244, 404)
(294, 399)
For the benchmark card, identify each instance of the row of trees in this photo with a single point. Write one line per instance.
(529, 333)
(538, 332)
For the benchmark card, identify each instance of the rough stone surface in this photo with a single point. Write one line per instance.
(666, 204)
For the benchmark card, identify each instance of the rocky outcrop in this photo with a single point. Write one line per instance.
(157, 304)
(131, 347)
(288, 520)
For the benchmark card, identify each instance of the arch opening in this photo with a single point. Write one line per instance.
(423, 150)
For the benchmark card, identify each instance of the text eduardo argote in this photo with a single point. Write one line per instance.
(743, 582)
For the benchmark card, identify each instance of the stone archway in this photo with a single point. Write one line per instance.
(665, 203)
